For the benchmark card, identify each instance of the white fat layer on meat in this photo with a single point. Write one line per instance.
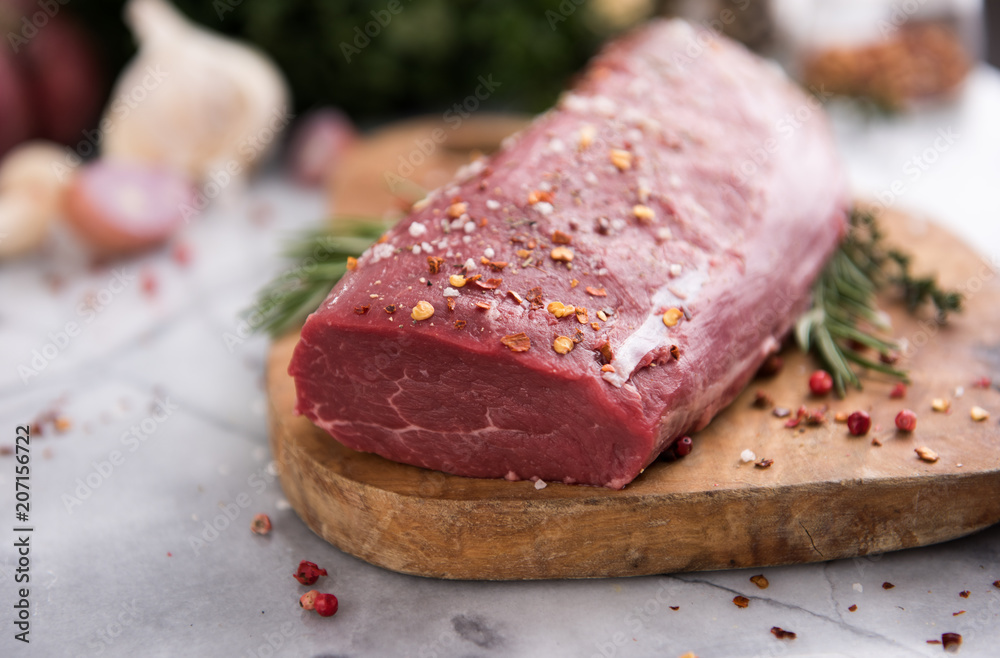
(652, 334)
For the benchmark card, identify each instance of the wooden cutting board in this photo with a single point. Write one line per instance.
(827, 495)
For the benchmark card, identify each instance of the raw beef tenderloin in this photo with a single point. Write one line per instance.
(681, 199)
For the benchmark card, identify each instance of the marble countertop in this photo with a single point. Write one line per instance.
(165, 437)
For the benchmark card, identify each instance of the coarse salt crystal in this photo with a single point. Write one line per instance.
(544, 207)
(469, 265)
(457, 223)
(427, 247)
(492, 205)
(540, 484)
(664, 233)
(450, 292)
(676, 269)
(857, 587)
(466, 239)
(603, 105)
(590, 178)
(469, 227)
(416, 249)
(748, 456)
(417, 229)
(556, 145)
(489, 253)
(959, 391)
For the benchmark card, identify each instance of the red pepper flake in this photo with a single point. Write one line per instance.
(261, 524)
(382, 239)
(574, 283)
(578, 338)
(761, 400)
(771, 366)
(596, 292)
(581, 315)
(539, 195)
(483, 305)
(983, 382)
(434, 264)
(361, 310)
(496, 265)
(763, 463)
(887, 585)
(607, 368)
(898, 391)
(996, 583)
(457, 209)
(741, 601)
(473, 278)
(523, 253)
(595, 326)
(675, 352)
(559, 237)
(933, 641)
(516, 297)
(876, 442)
(489, 284)
(674, 607)
(760, 581)
(517, 342)
(782, 634)
(964, 593)
(535, 297)
(450, 303)
(390, 309)
(352, 263)
(951, 641)
(308, 572)
(604, 349)
(960, 612)
(792, 423)
(181, 253)
(460, 324)
(853, 607)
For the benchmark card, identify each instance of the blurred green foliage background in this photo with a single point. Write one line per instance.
(426, 57)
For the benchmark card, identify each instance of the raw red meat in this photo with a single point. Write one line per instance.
(681, 173)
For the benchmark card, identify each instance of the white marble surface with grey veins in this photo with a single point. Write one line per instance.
(168, 438)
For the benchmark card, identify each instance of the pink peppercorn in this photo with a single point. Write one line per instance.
(308, 572)
(859, 423)
(683, 446)
(906, 420)
(326, 605)
(898, 391)
(820, 382)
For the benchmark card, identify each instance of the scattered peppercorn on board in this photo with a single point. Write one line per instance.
(824, 495)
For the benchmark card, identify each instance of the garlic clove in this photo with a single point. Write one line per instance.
(24, 224)
(39, 169)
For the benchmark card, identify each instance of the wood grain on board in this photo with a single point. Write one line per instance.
(827, 494)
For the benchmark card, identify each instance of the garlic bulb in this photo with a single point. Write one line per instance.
(192, 100)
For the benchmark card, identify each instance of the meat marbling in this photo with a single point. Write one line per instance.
(680, 172)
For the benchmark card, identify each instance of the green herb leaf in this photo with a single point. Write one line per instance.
(318, 260)
(845, 317)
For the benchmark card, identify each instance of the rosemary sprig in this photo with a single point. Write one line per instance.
(845, 313)
(319, 259)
